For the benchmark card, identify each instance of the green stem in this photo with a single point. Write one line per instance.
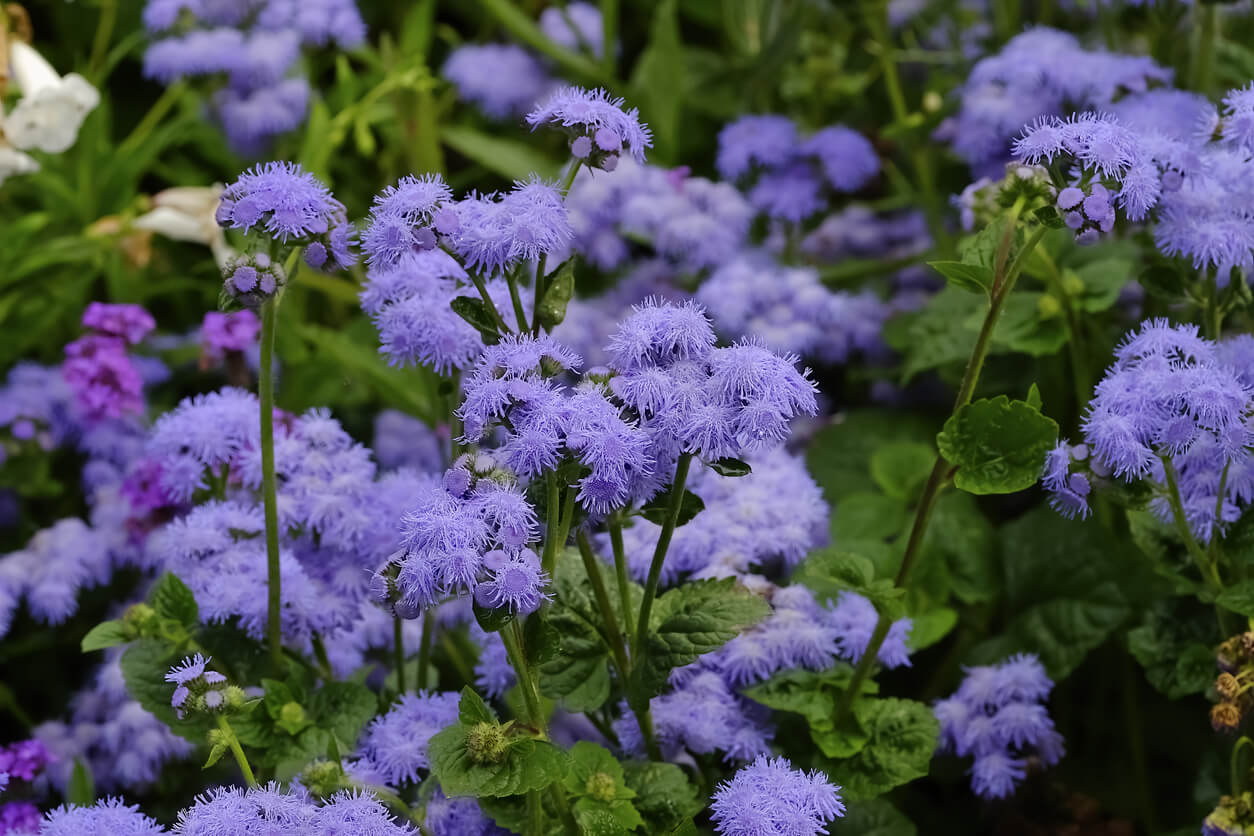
(455, 428)
(104, 33)
(233, 742)
(1079, 365)
(1206, 28)
(541, 285)
(491, 306)
(566, 519)
(639, 648)
(398, 651)
(153, 117)
(513, 638)
(511, 279)
(609, 36)
(1214, 312)
(424, 648)
(592, 565)
(1005, 275)
(1234, 764)
(457, 659)
(552, 510)
(269, 495)
(620, 570)
(1209, 573)
(320, 653)
(535, 814)
(563, 810)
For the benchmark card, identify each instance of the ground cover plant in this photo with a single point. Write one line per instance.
(633, 417)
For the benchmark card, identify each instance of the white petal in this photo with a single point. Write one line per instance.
(13, 161)
(31, 71)
(191, 200)
(174, 224)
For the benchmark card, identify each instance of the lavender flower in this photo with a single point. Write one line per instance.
(108, 817)
(405, 218)
(609, 130)
(576, 26)
(1068, 492)
(997, 718)
(228, 332)
(24, 759)
(105, 381)
(494, 232)
(195, 688)
(128, 322)
(769, 797)
(458, 817)
(504, 80)
(395, 744)
(282, 199)
(751, 142)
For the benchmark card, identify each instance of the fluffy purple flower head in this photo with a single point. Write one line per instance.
(516, 583)
(504, 80)
(575, 26)
(197, 53)
(790, 193)
(600, 117)
(225, 332)
(21, 818)
(1238, 118)
(657, 333)
(253, 118)
(495, 232)
(24, 759)
(103, 378)
(458, 817)
(770, 798)
(847, 158)
(395, 744)
(703, 715)
(283, 199)
(996, 717)
(1068, 492)
(766, 141)
(130, 322)
(318, 22)
(403, 219)
(109, 817)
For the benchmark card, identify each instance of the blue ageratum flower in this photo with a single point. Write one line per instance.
(600, 128)
(394, 746)
(110, 815)
(997, 717)
(770, 798)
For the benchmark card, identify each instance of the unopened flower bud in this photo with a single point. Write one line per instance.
(1225, 717)
(600, 786)
(486, 743)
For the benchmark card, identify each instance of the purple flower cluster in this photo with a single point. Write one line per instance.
(503, 80)
(286, 204)
(790, 310)
(125, 746)
(394, 746)
(466, 535)
(997, 717)
(224, 333)
(775, 515)
(107, 817)
(270, 809)
(600, 130)
(249, 52)
(513, 386)
(1169, 401)
(24, 759)
(789, 174)
(1037, 74)
(401, 440)
(770, 798)
(98, 368)
(195, 687)
(55, 565)
(692, 397)
(690, 222)
(459, 816)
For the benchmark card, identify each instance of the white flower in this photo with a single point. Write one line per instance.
(13, 161)
(52, 107)
(188, 213)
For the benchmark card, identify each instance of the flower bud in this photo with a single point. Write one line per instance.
(600, 786)
(486, 743)
(1228, 686)
(1225, 717)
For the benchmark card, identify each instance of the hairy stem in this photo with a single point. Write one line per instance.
(1206, 32)
(592, 565)
(1006, 274)
(620, 571)
(519, 314)
(639, 648)
(513, 638)
(398, 652)
(424, 648)
(552, 511)
(269, 494)
(236, 750)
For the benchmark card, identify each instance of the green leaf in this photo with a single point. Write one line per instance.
(475, 312)
(1175, 645)
(1048, 216)
(868, 516)
(603, 799)
(1164, 282)
(1063, 588)
(659, 79)
(492, 620)
(815, 695)
(997, 445)
(530, 764)
(557, 295)
(1239, 598)
(578, 675)
(510, 158)
(900, 468)
(902, 736)
(107, 634)
(973, 278)
(728, 466)
(942, 333)
(144, 666)
(82, 789)
(960, 537)
(1031, 323)
(1034, 397)
(875, 817)
(1103, 280)
(471, 708)
(657, 511)
(690, 621)
(342, 709)
(830, 571)
(665, 797)
(172, 599)
(839, 456)
(928, 628)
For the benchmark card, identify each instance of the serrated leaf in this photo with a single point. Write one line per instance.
(492, 620)
(1175, 645)
(689, 621)
(973, 278)
(1063, 588)
(171, 599)
(342, 709)
(997, 445)
(828, 572)
(664, 795)
(902, 737)
(730, 467)
(471, 708)
(1239, 598)
(106, 634)
(578, 675)
(815, 695)
(81, 791)
(657, 511)
(960, 537)
(557, 295)
(604, 801)
(476, 313)
(529, 765)
(901, 468)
